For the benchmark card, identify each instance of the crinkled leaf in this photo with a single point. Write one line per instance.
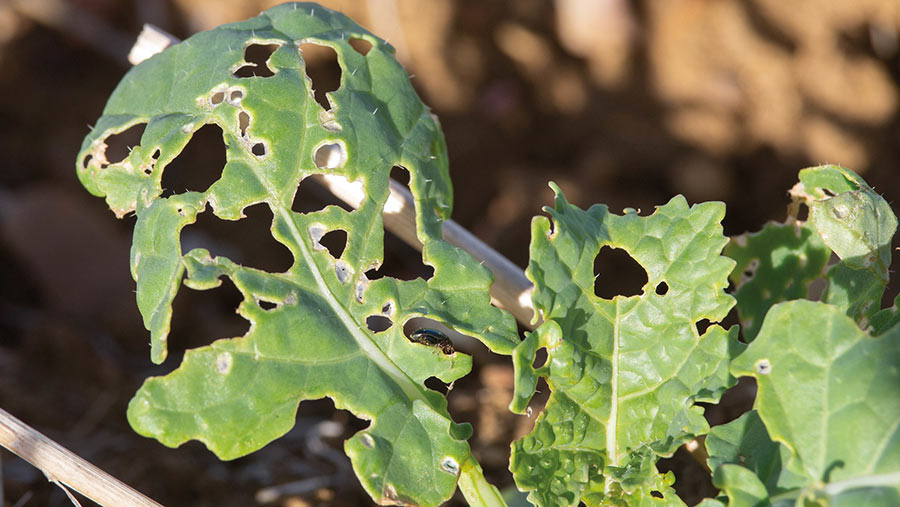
(308, 336)
(625, 373)
(830, 394)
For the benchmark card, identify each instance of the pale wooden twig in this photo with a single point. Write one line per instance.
(63, 467)
(511, 289)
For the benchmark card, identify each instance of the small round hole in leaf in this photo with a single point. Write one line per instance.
(662, 288)
(267, 305)
(617, 273)
(235, 97)
(259, 149)
(217, 98)
(361, 46)
(330, 156)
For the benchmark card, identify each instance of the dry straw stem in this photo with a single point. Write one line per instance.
(62, 466)
(511, 290)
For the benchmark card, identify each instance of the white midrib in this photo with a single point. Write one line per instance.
(368, 347)
(612, 450)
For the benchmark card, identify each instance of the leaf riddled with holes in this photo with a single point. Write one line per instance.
(778, 263)
(781, 262)
(625, 373)
(308, 336)
(828, 410)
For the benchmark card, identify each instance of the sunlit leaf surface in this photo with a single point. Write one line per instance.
(308, 334)
(626, 373)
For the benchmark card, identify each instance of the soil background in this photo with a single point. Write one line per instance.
(624, 103)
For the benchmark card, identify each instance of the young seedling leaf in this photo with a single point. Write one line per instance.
(829, 395)
(625, 373)
(308, 336)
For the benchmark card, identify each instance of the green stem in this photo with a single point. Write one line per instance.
(476, 489)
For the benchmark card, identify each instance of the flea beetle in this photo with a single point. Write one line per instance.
(433, 338)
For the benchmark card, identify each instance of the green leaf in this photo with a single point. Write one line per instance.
(830, 394)
(857, 224)
(308, 336)
(776, 264)
(783, 261)
(746, 442)
(625, 373)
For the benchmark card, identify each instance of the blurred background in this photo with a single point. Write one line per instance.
(624, 103)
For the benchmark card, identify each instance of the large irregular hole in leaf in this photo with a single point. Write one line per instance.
(247, 241)
(312, 196)
(737, 400)
(256, 57)
(436, 384)
(334, 241)
(118, 146)
(692, 482)
(617, 273)
(378, 323)
(401, 261)
(323, 69)
(702, 326)
(200, 317)
(361, 46)
(198, 165)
